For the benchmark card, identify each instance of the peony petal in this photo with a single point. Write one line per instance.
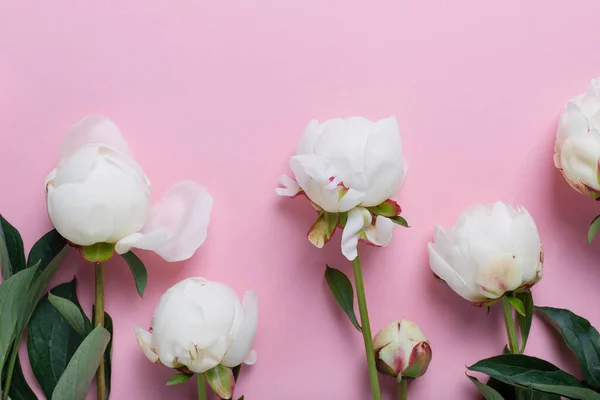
(200, 360)
(358, 219)
(380, 233)
(308, 140)
(251, 358)
(92, 130)
(144, 339)
(444, 271)
(240, 350)
(177, 226)
(290, 186)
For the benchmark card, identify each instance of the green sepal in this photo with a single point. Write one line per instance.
(323, 228)
(221, 381)
(517, 304)
(98, 252)
(179, 379)
(388, 208)
(400, 221)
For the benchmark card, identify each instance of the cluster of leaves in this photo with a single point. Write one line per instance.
(517, 376)
(63, 346)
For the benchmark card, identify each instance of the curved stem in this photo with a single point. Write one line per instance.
(509, 321)
(99, 320)
(201, 383)
(402, 389)
(366, 328)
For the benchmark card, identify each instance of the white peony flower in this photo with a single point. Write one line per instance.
(199, 325)
(401, 350)
(99, 194)
(348, 168)
(491, 250)
(577, 148)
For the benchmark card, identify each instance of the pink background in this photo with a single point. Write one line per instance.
(220, 91)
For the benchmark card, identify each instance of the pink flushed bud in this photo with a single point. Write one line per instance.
(401, 350)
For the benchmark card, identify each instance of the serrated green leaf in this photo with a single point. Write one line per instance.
(529, 372)
(70, 312)
(179, 379)
(581, 337)
(593, 230)
(525, 320)
(400, 221)
(46, 249)
(517, 304)
(487, 392)
(51, 341)
(13, 298)
(12, 256)
(75, 381)
(138, 270)
(343, 292)
(221, 381)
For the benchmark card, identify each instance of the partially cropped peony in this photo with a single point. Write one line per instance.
(491, 250)
(199, 325)
(348, 168)
(402, 350)
(99, 194)
(577, 148)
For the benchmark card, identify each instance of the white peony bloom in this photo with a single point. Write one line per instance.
(401, 350)
(199, 325)
(349, 166)
(577, 148)
(491, 250)
(99, 194)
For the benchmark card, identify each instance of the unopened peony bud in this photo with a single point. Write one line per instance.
(401, 350)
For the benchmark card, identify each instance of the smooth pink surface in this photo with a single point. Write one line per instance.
(220, 91)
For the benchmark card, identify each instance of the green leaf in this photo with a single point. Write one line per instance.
(221, 381)
(342, 291)
(581, 337)
(594, 226)
(525, 320)
(51, 341)
(179, 379)
(108, 325)
(75, 381)
(517, 304)
(19, 388)
(46, 249)
(529, 372)
(400, 221)
(510, 392)
(13, 298)
(98, 252)
(140, 275)
(487, 392)
(12, 256)
(70, 312)
(236, 372)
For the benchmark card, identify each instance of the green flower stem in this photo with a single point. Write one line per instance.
(99, 320)
(366, 328)
(201, 382)
(11, 367)
(402, 389)
(509, 321)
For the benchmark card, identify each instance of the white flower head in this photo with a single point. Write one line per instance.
(199, 325)
(348, 168)
(99, 194)
(577, 148)
(491, 250)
